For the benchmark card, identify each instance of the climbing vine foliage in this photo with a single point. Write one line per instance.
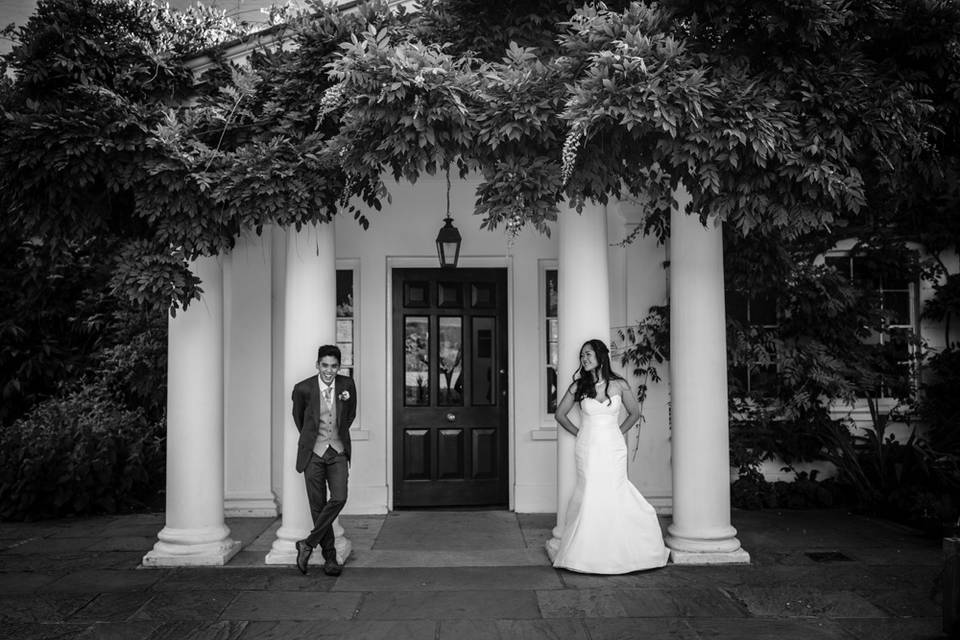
(776, 118)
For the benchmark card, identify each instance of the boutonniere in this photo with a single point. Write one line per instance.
(344, 395)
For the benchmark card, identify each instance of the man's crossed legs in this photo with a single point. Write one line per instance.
(323, 472)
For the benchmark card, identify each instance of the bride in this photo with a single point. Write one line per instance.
(610, 528)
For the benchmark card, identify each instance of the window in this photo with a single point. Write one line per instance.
(897, 299)
(757, 314)
(552, 336)
(895, 293)
(345, 320)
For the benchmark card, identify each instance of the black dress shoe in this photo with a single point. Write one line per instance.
(303, 555)
(331, 568)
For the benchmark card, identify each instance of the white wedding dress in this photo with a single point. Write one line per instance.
(610, 528)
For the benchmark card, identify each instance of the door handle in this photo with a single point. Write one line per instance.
(451, 417)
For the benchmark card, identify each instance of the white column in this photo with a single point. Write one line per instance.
(583, 300)
(700, 532)
(195, 533)
(310, 316)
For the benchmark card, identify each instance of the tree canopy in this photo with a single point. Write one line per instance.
(783, 118)
(790, 122)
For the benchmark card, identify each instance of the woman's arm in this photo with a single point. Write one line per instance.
(566, 404)
(630, 404)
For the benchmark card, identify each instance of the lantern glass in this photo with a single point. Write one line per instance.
(448, 244)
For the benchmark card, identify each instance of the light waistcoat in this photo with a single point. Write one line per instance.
(327, 435)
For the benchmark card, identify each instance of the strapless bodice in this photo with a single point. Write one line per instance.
(594, 407)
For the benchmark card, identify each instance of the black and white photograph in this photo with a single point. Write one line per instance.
(480, 319)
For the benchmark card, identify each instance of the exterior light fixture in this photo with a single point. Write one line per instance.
(448, 240)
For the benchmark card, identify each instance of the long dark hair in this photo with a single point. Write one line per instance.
(586, 383)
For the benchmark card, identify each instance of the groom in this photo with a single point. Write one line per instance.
(324, 407)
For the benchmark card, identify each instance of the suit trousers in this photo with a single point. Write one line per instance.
(323, 472)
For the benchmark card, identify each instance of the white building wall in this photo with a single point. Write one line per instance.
(638, 270)
(402, 235)
(247, 378)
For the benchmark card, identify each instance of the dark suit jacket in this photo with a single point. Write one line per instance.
(306, 414)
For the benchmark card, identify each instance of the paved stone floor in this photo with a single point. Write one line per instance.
(450, 575)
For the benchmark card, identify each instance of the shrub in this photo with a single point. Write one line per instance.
(80, 453)
(752, 491)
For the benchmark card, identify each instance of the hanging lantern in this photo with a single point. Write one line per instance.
(448, 240)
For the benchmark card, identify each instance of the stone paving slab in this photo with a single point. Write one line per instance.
(906, 577)
(14, 531)
(445, 605)
(140, 544)
(838, 575)
(342, 630)
(446, 558)
(246, 530)
(112, 607)
(290, 579)
(273, 578)
(766, 629)
(62, 562)
(87, 527)
(53, 544)
(146, 630)
(15, 582)
(42, 631)
(926, 553)
(185, 605)
(202, 578)
(449, 531)
(448, 579)
(669, 577)
(788, 602)
(104, 580)
(637, 603)
(362, 530)
(634, 628)
(907, 603)
(894, 629)
(136, 630)
(264, 542)
(135, 528)
(41, 607)
(513, 630)
(292, 605)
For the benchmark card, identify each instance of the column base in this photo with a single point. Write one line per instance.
(709, 557)
(265, 507)
(284, 548)
(191, 548)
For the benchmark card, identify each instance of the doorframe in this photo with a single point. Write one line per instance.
(467, 262)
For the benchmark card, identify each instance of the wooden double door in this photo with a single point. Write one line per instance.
(450, 387)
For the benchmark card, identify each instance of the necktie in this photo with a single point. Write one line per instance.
(327, 398)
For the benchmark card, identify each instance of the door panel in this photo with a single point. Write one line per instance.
(450, 393)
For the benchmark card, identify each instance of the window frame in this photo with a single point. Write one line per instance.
(543, 351)
(913, 306)
(353, 266)
(748, 366)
